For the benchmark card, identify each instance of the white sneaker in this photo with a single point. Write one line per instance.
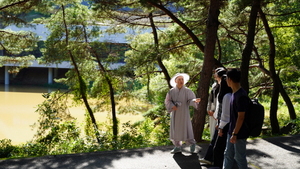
(176, 150)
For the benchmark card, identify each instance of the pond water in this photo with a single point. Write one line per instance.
(17, 111)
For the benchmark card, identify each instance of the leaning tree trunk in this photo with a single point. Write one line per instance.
(159, 60)
(283, 93)
(82, 85)
(274, 76)
(111, 91)
(287, 100)
(111, 94)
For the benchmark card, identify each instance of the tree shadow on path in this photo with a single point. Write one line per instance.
(288, 143)
(274, 152)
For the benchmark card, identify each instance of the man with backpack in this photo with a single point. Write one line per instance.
(238, 131)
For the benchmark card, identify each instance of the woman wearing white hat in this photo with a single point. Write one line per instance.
(177, 102)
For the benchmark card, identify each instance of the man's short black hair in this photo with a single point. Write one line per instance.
(234, 75)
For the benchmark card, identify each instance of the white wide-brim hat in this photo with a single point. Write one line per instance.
(185, 76)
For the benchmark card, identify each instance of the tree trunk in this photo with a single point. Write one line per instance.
(287, 100)
(274, 76)
(81, 82)
(198, 120)
(159, 60)
(111, 91)
(246, 55)
(274, 106)
(283, 93)
(113, 107)
(112, 96)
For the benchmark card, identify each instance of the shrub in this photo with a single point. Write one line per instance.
(30, 150)
(5, 148)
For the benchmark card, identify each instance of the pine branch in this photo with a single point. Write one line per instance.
(13, 4)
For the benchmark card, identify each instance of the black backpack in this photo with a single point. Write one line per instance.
(254, 118)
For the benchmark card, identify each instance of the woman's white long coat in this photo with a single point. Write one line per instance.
(181, 125)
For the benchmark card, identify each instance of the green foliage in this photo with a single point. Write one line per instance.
(53, 119)
(145, 133)
(59, 133)
(14, 14)
(206, 132)
(30, 150)
(237, 6)
(161, 122)
(16, 45)
(287, 125)
(295, 126)
(157, 92)
(133, 136)
(65, 137)
(6, 148)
